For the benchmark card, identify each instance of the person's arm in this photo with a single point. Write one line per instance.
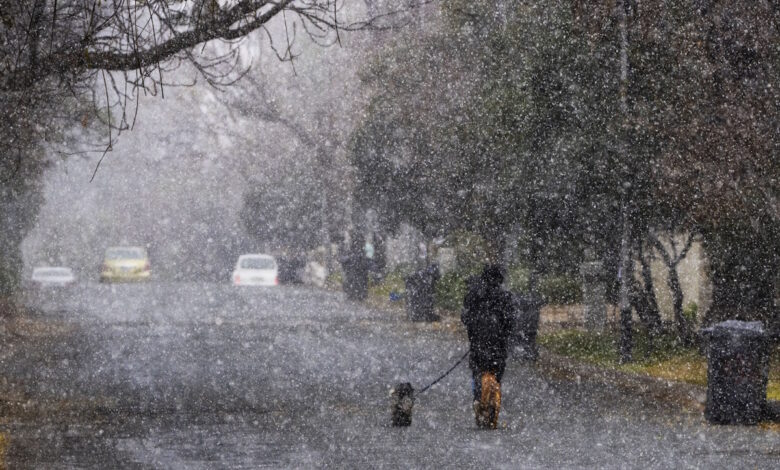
(467, 314)
(510, 312)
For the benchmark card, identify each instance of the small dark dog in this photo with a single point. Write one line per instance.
(402, 397)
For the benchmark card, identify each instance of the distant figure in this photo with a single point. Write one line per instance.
(523, 339)
(421, 294)
(355, 267)
(488, 313)
(430, 278)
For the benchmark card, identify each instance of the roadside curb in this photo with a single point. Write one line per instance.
(651, 389)
(33, 327)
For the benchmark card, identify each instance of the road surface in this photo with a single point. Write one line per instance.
(204, 376)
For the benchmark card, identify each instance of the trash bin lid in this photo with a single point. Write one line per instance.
(736, 328)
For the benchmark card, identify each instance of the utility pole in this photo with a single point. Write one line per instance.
(626, 268)
(325, 232)
(322, 154)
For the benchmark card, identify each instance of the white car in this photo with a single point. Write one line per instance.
(256, 270)
(53, 276)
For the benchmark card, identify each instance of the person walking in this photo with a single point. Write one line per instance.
(488, 314)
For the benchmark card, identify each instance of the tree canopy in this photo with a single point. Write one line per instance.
(510, 119)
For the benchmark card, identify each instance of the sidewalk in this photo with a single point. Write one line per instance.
(683, 395)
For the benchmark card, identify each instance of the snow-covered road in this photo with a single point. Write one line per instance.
(211, 376)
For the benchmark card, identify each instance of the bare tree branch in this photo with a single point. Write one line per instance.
(141, 34)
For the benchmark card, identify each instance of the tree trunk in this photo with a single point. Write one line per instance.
(496, 247)
(652, 316)
(20, 200)
(626, 274)
(35, 34)
(744, 271)
(325, 232)
(10, 263)
(10, 255)
(683, 327)
(641, 305)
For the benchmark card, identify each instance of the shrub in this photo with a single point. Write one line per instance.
(517, 279)
(450, 291)
(392, 282)
(560, 289)
(690, 311)
(334, 280)
(470, 252)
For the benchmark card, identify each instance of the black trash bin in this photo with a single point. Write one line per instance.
(526, 325)
(412, 285)
(421, 294)
(737, 372)
(355, 269)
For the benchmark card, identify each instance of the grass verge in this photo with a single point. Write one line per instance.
(393, 282)
(664, 359)
(3, 450)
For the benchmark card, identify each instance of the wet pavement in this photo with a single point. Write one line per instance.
(210, 376)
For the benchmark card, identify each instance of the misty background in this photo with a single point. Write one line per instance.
(175, 182)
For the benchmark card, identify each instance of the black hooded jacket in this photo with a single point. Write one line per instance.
(488, 313)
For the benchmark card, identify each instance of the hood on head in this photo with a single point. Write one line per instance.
(493, 275)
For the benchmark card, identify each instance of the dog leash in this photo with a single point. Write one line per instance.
(444, 374)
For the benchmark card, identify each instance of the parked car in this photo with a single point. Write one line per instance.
(52, 276)
(125, 263)
(256, 270)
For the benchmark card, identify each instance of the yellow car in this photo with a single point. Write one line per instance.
(125, 263)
